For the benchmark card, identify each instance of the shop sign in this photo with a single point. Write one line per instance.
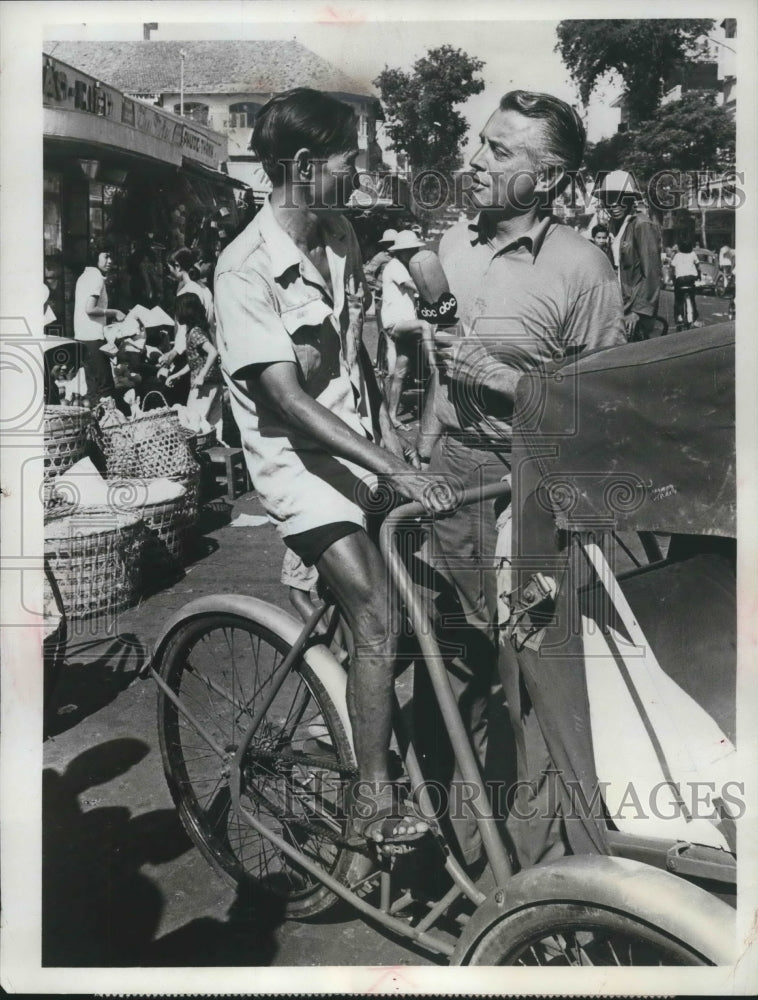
(65, 87)
(199, 146)
(150, 120)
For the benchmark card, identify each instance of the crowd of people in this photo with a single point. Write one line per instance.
(146, 358)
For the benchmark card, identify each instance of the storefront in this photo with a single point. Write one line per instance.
(140, 177)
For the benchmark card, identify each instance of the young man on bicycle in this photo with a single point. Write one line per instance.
(686, 272)
(290, 296)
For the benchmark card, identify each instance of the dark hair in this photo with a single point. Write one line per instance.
(685, 246)
(564, 134)
(95, 249)
(183, 258)
(600, 228)
(301, 118)
(189, 311)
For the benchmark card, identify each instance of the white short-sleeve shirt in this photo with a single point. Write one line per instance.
(90, 282)
(398, 294)
(273, 305)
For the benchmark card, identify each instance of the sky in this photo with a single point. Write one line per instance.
(517, 54)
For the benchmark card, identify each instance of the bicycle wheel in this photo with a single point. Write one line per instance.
(559, 934)
(294, 770)
(719, 286)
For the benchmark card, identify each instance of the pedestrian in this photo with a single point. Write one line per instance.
(601, 237)
(405, 331)
(373, 269)
(180, 263)
(529, 290)
(686, 270)
(178, 226)
(290, 296)
(726, 260)
(636, 247)
(91, 314)
(178, 379)
(205, 395)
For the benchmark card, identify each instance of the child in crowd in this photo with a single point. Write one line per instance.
(204, 401)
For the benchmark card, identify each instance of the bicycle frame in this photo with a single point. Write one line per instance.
(494, 848)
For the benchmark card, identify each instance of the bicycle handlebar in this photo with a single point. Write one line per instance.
(474, 495)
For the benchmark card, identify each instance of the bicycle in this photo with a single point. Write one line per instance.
(684, 305)
(258, 755)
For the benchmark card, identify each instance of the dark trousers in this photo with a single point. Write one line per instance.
(97, 370)
(535, 826)
(456, 572)
(684, 287)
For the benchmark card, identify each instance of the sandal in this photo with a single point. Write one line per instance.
(385, 822)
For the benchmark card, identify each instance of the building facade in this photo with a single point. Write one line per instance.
(223, 84)
(137, 176)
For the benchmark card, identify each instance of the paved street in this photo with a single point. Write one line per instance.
(123, 884)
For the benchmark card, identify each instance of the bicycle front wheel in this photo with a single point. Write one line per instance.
(294, 771)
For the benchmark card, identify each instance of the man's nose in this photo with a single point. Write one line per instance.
(476, 162)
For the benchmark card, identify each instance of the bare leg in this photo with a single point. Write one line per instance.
(397, 380)
(355, 572)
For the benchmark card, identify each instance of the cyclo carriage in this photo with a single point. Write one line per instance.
(623, 630)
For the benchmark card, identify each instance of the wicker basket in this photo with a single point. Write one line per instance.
(191, 484)
(200, 442)
(149, 446)
(66, 432)
(167, 523)
(94, 555)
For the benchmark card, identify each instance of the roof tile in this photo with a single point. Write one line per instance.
(210, 67)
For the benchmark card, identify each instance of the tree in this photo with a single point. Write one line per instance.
(693, 133)
(420, 106)
(643, 53)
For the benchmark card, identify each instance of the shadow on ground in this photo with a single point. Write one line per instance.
(95, 670)
(99, 907)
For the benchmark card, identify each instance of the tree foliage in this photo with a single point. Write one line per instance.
(420, 106)
(693, 133)
(642, 52)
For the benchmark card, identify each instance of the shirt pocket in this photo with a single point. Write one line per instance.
(310, 313)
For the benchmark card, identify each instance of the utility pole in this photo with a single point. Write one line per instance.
(182, 54)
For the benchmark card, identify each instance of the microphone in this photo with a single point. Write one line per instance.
(438, 304)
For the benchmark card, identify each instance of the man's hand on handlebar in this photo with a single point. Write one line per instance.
(434, 492)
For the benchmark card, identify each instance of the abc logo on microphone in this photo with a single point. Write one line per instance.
(442, 312)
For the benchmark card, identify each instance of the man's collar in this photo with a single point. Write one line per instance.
(532, 239)
(282, 248)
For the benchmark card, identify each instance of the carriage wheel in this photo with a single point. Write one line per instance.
(561, 934)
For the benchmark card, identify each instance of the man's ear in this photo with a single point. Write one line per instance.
(303, 164)
(549, 177)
